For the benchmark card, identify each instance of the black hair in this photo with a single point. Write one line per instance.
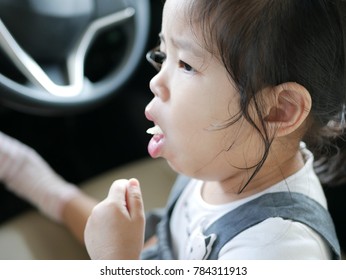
(268, 42)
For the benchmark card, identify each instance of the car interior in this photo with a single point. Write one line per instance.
(74, 83)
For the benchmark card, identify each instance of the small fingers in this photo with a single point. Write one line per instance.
(117, 190)
(127, 195)
(134, 199)
(117, 196)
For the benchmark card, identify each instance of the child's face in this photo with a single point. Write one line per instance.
(192, 94)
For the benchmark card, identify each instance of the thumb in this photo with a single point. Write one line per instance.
(134, 199)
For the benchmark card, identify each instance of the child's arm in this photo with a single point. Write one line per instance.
(76, 213)
(28, 175)
(115, 228)
(25, 173)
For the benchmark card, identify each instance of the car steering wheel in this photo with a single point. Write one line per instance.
(46, 49)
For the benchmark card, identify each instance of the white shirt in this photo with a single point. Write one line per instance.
(274, 238)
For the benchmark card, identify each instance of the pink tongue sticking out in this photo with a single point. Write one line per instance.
(154, 146)
(156, 141)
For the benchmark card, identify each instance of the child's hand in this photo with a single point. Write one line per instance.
(115, 228)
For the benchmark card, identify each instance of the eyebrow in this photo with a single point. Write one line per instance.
(184, 45)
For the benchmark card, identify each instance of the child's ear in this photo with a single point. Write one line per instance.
(291, 107)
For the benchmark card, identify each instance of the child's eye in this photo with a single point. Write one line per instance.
(186, 67)
(156, 58)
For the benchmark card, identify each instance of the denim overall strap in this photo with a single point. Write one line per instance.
(292, 206)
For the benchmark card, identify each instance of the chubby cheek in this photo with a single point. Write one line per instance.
(192, 144)
(216, 154)
(184, 141)
(192, 149)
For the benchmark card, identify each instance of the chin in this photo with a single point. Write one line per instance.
(176, 167)
(173, 166)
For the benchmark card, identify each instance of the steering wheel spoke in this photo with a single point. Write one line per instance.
(75, 62)
(76, 91)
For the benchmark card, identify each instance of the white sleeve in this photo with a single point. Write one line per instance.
(278, 239)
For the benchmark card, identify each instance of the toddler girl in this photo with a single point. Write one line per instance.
(247, 94)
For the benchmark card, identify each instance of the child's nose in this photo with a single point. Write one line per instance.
(158, 86)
